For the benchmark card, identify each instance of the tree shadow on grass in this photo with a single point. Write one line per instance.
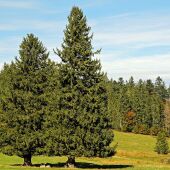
(84, 165)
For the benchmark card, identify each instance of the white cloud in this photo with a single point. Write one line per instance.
(7, 27)
(34, 25)
(16, 4)
(132, 30)
(144, 38)
(122, 35)
(146, 67)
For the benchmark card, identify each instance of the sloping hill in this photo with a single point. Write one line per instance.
(134, 152)
(135, 142)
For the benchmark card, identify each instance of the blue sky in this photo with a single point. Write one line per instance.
(134, 35)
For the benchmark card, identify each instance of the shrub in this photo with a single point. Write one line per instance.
(162, 144)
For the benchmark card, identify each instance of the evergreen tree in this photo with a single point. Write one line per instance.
(161, 144)
(131, 82)
(150, 87)
(114, 97)
(160, 88)
(83, 123)
(130, 114)
(111, 100)
(157, 111)
(167, 117)
(23, 108)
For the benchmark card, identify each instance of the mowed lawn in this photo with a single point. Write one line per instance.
(134, 152)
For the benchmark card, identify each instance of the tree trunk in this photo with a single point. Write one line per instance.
(71, 162)
(27, 160)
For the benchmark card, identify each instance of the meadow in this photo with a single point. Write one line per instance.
(134, 152)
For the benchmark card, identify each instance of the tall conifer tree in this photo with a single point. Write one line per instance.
(23, 108)
(160, 88)
(84, 123)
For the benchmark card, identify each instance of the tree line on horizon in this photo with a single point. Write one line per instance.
(142, 107)
(71, 108)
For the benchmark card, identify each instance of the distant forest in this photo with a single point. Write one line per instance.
(142, 107)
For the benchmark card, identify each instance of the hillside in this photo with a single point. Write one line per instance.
(133, 152)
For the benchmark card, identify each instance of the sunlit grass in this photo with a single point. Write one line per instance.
(134, 152)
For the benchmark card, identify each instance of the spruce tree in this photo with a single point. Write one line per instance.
(160, 88)
(162, 144)
(113, 102)
(167, 117)
(24, 107)
(83, 123)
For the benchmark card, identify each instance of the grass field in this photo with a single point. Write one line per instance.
(134, 152)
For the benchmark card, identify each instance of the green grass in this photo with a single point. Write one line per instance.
(134, 152)
(135, 142)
